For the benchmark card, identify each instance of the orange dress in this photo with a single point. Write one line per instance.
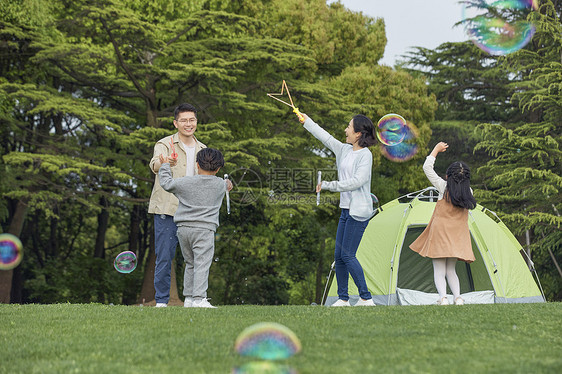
(446, 234)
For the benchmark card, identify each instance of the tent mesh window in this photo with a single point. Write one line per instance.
(416, 272)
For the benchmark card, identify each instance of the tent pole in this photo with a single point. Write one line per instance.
(327, 283)
(528, 244)
(534, 271)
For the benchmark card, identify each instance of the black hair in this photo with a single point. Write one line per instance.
(185, 107)
(365, 126)
(458, 186)
(210, 159)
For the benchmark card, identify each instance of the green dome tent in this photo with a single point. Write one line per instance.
(396, 275)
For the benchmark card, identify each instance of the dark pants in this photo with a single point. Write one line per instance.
(348, 238)
(165, 241)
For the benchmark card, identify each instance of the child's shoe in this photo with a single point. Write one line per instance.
(443, 301)
(459, 301)
(161, 305)
(341, 302)
(188, 303)
(203, 303)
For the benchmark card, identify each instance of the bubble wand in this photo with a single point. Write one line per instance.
(292, 105)
(318, 193)
(227, 196)
(174, 155)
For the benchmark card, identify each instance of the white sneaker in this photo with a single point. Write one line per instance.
(362, 302)
(203, 303)
(459, 301)
(188, 303)
(161, 305)
(443, 301)
(341, 302)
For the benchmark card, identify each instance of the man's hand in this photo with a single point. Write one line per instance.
(167, 159)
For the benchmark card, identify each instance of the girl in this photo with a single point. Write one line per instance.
(446, 237)
(354, 162)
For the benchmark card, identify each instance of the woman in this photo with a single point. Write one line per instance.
(354, 162)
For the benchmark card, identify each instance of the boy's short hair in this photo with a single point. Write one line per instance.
(210, 159)
(185, 107)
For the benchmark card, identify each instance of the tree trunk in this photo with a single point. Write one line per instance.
(99, 249)
(147, 290)
(130, 293)
(5, 285)
(134, 230)
(103, 222)
(174, 296)
(53, 245)
(16, 295)
(6, 276)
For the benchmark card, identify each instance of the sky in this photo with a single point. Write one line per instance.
(413, 23)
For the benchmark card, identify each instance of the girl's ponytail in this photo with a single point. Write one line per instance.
(458, 186)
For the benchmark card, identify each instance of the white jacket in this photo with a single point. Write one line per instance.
(361, 204)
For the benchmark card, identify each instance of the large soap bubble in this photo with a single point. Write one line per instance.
(267, 341)
(11, 251)
(406, 149)
(390, 129)
(499, 27)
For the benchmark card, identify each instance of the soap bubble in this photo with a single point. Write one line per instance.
(11, 251)
(390, 129)
(125, 262)
(499, 27)
(263, 367)
(267, 341)
(406, 149)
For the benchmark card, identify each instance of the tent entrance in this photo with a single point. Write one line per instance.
(416, 272)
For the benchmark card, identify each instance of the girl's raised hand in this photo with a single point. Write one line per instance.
(441, 147)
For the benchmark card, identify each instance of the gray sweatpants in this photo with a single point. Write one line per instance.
(198, 248)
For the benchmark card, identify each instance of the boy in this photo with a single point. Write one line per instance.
(197, 218)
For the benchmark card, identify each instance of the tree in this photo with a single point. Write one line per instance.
(525, 173)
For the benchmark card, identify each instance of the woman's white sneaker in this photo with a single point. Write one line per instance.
(341, 302)
(362, 302)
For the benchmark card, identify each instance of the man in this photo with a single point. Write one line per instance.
(181, 148)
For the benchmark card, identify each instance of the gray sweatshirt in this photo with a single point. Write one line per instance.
(200, 198)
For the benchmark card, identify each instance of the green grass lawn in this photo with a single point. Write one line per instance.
(70, 338)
